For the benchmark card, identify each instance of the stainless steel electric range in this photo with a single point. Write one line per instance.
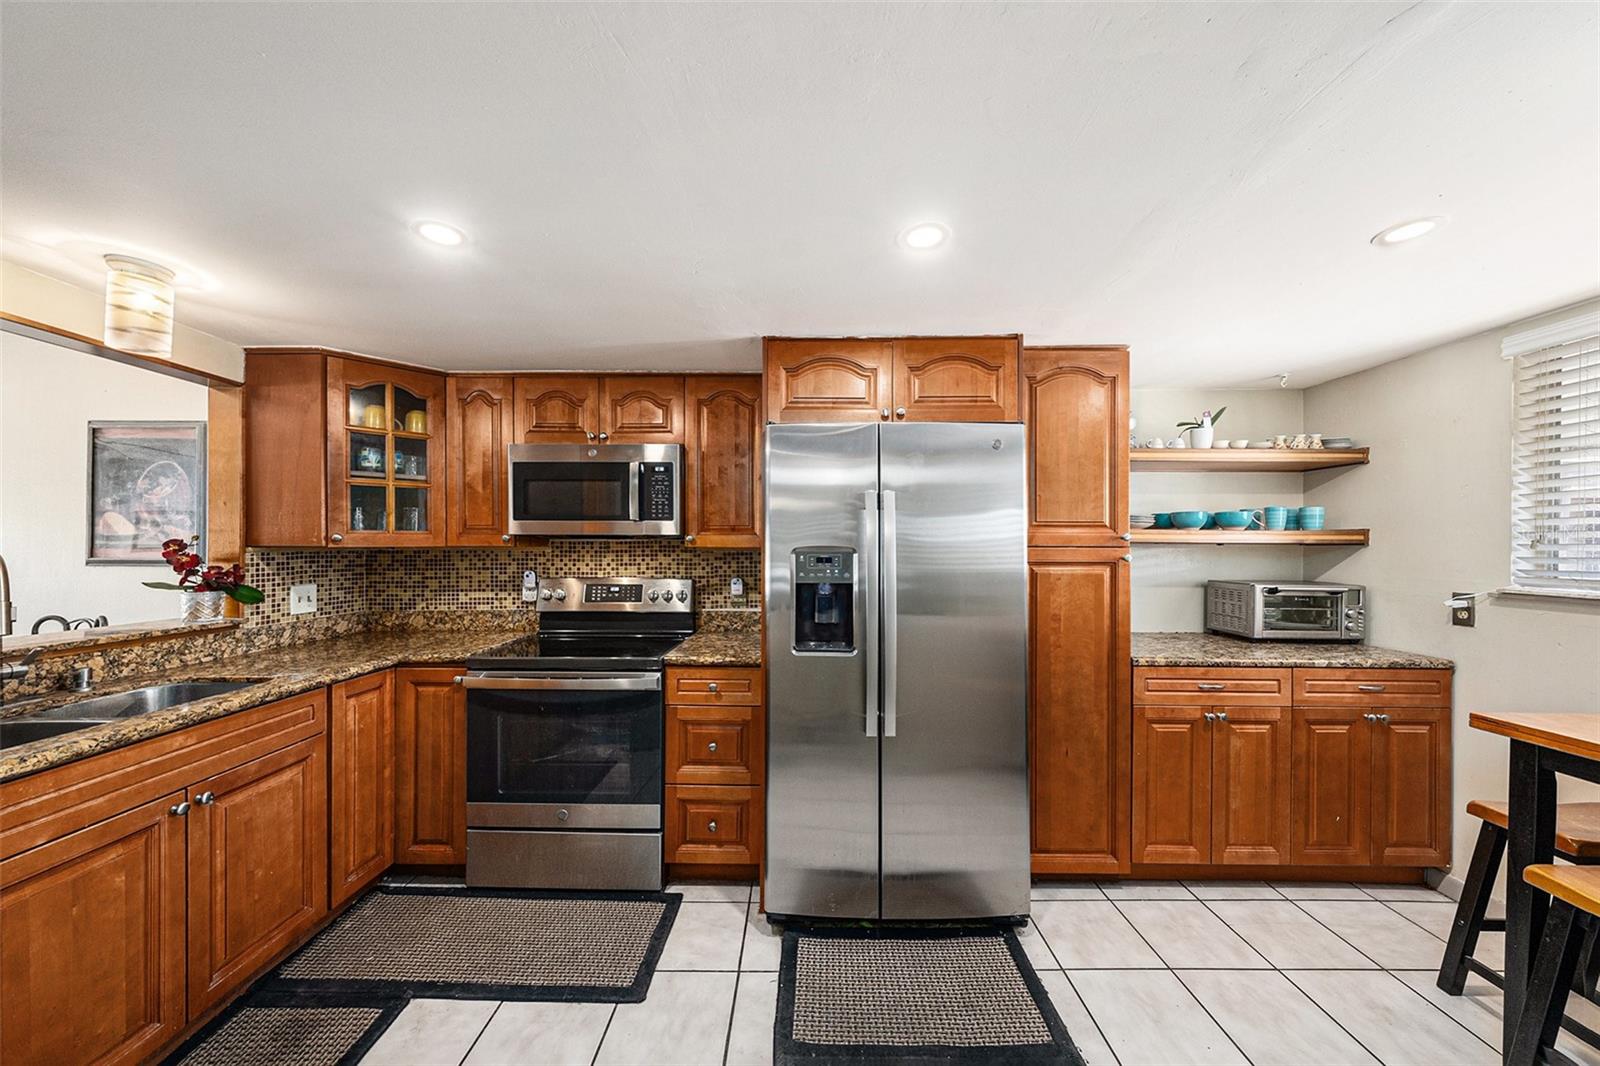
(565, 730)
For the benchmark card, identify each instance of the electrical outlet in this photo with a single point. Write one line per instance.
(1464, 616)
(530, 587)
(736, 588)
(302, 599)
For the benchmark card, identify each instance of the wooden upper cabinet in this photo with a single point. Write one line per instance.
(1075, 403)
(430, 780)
(258, 867)
(556, 408)
(1171, 785)
(1078, 717)
(839, 380)
(641, 409)
(386, 455)
(956, 379)
(93, 946)
(479, 427)
(361, 796)
(722, 479)
(286, 445)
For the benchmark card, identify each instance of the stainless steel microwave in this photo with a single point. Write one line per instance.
(598, 490)
(1286, 610)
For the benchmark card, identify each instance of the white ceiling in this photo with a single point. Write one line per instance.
(654, 187)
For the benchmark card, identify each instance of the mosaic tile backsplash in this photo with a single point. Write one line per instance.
(385, 580)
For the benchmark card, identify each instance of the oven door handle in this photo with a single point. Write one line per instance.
(565, 682)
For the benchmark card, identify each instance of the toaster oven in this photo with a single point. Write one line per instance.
(1286, 610)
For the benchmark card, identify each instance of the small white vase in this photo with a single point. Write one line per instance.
(1201, 436)
(202, 606)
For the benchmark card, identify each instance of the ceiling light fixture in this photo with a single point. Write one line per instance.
(1407, 231)
(439, 233)
(924, 236)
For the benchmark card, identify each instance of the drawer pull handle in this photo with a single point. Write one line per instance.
(712, 826)
(1210, 686)
(1370, 688)
(711, 746)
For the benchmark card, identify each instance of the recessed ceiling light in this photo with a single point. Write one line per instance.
(925, 235)
(439, 233)
(1407, 231)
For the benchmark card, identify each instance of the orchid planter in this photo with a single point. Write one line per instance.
(202, 606)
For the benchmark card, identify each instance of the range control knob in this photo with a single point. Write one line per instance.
(683, 596)
(544, 594)
(561, 594)
(654, 595)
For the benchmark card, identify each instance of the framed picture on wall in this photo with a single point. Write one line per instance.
(147, 484)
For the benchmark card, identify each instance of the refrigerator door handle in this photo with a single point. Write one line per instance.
(891, 614)
(869, 600)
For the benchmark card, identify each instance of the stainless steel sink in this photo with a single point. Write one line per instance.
(14, 731)
(139, 701)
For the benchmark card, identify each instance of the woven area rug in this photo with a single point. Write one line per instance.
(924, 995)
(271, 1027)
(488, 944)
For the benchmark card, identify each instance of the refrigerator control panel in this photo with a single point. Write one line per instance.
(836, 565)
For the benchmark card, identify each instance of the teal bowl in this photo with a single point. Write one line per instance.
(1232, 519)
(1190, 519)
(1163, 520)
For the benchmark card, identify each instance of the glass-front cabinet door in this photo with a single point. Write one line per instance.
(385, 455)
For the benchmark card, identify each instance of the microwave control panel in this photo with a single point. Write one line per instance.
(656, 490)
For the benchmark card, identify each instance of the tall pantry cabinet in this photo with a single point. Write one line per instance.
(1075, 405)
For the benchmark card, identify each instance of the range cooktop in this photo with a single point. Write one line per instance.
(594, 624)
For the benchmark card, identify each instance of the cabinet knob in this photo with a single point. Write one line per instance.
(1127, 558)
(712, 687)
(899, 412)
(337, 538)
(206, 799)
(884, 411)
(605, 436)
(1210, 716)
(1383, 718)
(1370, 717)
(711, 746)
(178, 809)
(1222, 716)
(711, 826)
(688, 538)
(505, 538)
(591, 436)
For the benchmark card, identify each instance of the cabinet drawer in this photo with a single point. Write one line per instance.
(1372, 688)
(1203, 685)
(714, 824)
(716, 745)
(714, 685)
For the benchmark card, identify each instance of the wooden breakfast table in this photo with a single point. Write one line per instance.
(1542, 746)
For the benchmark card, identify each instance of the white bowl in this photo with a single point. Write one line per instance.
(1239, 444)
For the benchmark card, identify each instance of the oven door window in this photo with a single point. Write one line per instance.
(572, 492)
(1302, 612)
(567, 747)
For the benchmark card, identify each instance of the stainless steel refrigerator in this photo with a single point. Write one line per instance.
(896, 640)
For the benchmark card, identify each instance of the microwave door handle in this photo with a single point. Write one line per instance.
(635, 472)
(868, 598)
(891, 614)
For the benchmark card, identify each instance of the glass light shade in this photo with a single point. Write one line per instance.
(139, 300)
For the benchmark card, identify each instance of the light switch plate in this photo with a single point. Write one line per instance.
(302, 599)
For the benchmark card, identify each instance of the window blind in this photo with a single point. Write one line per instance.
(1555, 535)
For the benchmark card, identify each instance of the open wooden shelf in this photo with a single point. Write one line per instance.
(1251, 536)
(1255, 460)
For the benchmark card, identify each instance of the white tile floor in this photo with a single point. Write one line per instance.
(1142, 975)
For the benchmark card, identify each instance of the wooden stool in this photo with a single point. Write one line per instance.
(1577, 839)
(1574, 907)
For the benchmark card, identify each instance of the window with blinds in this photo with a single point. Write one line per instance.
(1555, 487)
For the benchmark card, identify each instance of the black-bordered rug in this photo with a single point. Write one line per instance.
(454, 943)
(274, 1027)
(913, 995)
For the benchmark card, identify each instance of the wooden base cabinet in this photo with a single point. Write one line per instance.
(93, 940)
(716, 758)
(430, 775)
(1078, 715)
(361, 748)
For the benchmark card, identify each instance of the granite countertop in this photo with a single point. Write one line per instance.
(1211, 649)
(283, 672)
(734, 648)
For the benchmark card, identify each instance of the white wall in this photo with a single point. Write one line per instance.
(1168, 583)
(48, 395)
(1437, 497)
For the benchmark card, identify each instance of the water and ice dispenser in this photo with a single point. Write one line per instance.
(824, 599)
